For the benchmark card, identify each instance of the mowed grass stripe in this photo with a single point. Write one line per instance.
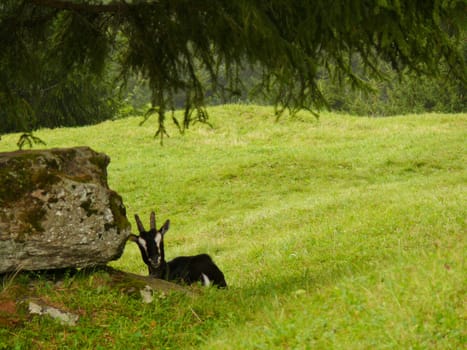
(343, 232)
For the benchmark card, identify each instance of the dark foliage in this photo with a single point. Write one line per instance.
(43, 81)
(169, 42)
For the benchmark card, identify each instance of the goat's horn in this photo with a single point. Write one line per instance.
(139, 224)
(153, 221)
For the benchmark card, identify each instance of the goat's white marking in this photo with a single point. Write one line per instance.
(158, 239)
(142, 243)
(206, 280)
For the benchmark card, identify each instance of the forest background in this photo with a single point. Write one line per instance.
(80, 97)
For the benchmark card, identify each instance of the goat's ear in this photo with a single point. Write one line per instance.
(133, 238)
(165, 227)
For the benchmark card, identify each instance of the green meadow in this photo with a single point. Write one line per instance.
(333, 233)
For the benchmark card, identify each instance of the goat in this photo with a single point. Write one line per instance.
(183, 269)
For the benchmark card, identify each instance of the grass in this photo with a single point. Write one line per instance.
(338, 233)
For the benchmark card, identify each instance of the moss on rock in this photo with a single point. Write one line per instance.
(57, 211)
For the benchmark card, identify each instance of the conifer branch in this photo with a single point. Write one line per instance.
(112, 7)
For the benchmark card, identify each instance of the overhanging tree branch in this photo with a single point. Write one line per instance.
(173, 43)
(112, 7)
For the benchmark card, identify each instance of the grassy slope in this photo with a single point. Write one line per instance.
(343, 233)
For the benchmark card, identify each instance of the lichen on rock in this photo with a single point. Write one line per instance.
(57, 211)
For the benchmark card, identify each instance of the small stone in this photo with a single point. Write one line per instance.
(65, 318)
(35, 309)
(147, 295)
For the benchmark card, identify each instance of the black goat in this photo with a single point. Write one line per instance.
(183, 269)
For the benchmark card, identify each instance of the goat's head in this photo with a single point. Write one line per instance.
(151, 245)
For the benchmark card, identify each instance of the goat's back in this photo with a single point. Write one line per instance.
(190, 269)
